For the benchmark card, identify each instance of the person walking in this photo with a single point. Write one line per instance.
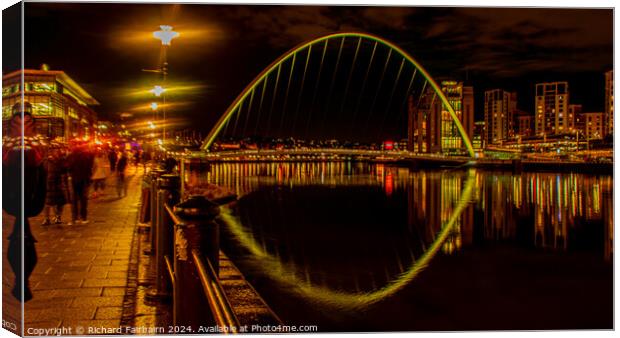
(57, 187)
(80, 163)
(113, 158)
(136, 158)
(121, 186)
(146, 158)
(100, 173)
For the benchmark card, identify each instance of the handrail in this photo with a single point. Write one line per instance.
(175, 219)
(221, 308)
(170, 270)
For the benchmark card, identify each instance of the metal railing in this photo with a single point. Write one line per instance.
(185, 249)
(220, 307)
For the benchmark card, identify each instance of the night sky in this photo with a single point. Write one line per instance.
(222, 48)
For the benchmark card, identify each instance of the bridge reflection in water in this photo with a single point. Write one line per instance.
(335, 242)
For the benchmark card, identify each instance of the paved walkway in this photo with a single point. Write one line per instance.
(81, 276)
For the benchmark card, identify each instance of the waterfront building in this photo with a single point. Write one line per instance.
(468, 111)
(411, 117)
(609, 100)
(576, 110)
(551, 109)
(431, 129)
(478, 141)
(61, 107)
(595, 124)
(424, 123)
(461, 98)
(524, 125)
(499, 108)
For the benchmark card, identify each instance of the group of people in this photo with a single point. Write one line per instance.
(70, 174)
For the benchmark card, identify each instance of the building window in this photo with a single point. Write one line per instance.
(42, 87)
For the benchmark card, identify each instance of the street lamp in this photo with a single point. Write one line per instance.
(157, 90)
(165, 35)
(154, 106)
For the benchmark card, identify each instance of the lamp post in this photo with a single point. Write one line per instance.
(165, 35)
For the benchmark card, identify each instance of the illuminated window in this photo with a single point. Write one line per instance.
(72, 113)
(42, 87)
(6, 111)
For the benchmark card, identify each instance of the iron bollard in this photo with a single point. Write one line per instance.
(199, 215)
(198, 231)
(154, 175)
(145, 207)
(167, 194)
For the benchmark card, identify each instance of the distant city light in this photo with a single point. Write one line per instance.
(154, 105)
(166, 34)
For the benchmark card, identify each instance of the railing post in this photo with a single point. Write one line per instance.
(198, 231)
(168, 193)
(182, 170)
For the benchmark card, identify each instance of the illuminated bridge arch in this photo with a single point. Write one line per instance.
(238, 102)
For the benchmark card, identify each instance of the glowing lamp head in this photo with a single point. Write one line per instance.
(157, 90)
(154, 105)
(166, 34)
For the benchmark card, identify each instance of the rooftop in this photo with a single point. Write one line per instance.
(62, 77)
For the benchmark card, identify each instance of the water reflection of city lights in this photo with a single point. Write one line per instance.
(555, 204)
(290, 275)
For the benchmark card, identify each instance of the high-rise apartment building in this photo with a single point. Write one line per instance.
(609, 100)
(499, 108)
(551, 109)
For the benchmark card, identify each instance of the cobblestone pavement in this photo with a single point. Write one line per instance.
(81, 276)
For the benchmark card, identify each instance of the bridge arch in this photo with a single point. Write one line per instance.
(291, 53)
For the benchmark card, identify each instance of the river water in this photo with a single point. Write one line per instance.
(352, 246)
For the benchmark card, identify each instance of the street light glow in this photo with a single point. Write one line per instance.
(157, 90)
(154, 105)
(166, 34)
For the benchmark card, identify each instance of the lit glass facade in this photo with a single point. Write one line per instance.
(461, 98)
(59, 105)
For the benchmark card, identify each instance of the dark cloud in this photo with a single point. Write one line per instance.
(223, 47)
(512, 42)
